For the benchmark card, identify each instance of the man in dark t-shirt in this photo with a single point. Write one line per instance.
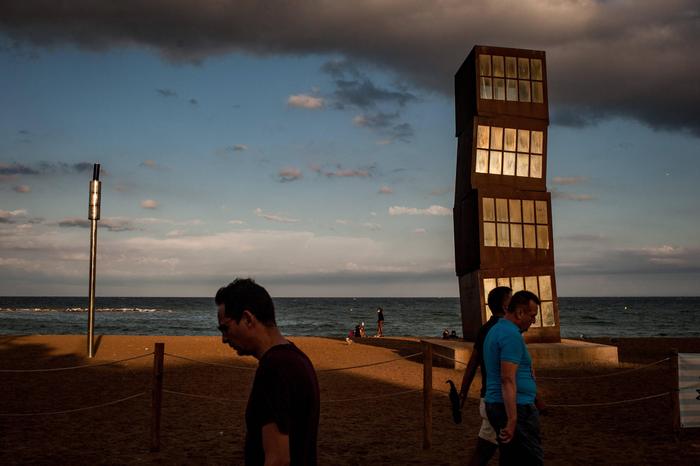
(283, 408)
(487, 443)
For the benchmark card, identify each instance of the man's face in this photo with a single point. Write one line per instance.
(233, 334)
(526, 316)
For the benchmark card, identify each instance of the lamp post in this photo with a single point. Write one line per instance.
(93, 216)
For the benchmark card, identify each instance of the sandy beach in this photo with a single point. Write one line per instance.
(373, 429)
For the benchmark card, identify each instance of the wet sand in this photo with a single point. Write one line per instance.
(370, 430)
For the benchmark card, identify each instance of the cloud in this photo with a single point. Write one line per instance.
(419, 231)
(194, 102)
(10, 216)
(433, 210)
(236, 222)
(568, 180)
(153, 165)
(275, 218)
(305, 101)
(340, 172)
(111, 224)
(44, 168)
(441, 191)
(629, 59)
(385, 123)
(571, 196)
(341, 221)
(149, 204)
(372, 226)
(288, 174)
(385, 190)
(22, 188)
(16, 169)
(166, 93)
(239, 147)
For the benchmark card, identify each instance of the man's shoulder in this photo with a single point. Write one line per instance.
(285, 357)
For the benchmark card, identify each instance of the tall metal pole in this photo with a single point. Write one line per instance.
(93, 216)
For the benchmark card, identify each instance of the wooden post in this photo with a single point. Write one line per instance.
(675, 394)
(156, 395)
(427, 394)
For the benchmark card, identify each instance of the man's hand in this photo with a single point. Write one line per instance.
(508, 432)
(541, 406)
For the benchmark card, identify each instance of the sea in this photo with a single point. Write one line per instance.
(334, 317)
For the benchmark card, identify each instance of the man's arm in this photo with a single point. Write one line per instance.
(509, 388)
(469, 374)
(275, 445)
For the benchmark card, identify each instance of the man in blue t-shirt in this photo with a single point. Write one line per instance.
(510, 384)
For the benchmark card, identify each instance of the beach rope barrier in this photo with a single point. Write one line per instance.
(67, 411)
(336, 369)
(610, 403)
(57, 369)
(206, 363)
(206, 397)
(339, 400)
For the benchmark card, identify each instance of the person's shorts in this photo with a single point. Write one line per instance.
(486, 432)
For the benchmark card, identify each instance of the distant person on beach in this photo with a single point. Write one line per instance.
(380, 322)
(445, 334)
(283, 407)
(363, 332)
(486, 442)
(511, 390)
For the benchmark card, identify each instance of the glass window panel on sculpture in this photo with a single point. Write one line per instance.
(495, 162)
(502, 210)
(512, 90)
(537, 140)
(523, 167)
(528, 211)
(489, 284)
(517, 284)
(537, 92)
(524, 90)
(498, 67)
(538, 318)
(503, 235)
(536, 166)
(482, 137)
(482, 161)
(485, 88)
(547, 308)
(542, 236)
(510, 135)
(509, 163)
(523, 140)
(489, 234)
(529, 233)
(523, 68)
(516, 235)
(536, 68)
(499, 89)
(531, 285)
(489, 213)
(503, 282)
(511, 67)
(496, 138)
(545, 282)
(541, 212)
(485, 65)
(514, 209)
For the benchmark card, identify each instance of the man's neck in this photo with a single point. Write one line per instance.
(270, 337)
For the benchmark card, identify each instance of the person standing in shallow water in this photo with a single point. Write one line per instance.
(380, 322)
(283, 406)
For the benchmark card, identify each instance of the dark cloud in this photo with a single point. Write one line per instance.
(340, 172)
(111, 224)
(23, 132)
(194, 102)
(166, 93)
(17, 169)
(604, 59)
(288, 174)
(43, 168)
(386, 124)
(665, 259)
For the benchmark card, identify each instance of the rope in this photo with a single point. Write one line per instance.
(334, 369)
(606, 375)
(229, 366)
(611, 403)
(56, 369)
(375, 397)
(206, 397)
(46, 413)
(451, 359)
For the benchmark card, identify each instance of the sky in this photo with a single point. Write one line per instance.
(311, 144)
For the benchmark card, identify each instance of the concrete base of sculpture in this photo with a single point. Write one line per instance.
(544, 355)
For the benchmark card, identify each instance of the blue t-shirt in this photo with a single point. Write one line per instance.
(505, 343)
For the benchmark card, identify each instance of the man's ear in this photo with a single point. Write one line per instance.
(248, 317)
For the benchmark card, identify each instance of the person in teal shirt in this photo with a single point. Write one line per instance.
(510, 384)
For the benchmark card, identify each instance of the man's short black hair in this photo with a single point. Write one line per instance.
(244, 294)
(522, 298)
(496, 298)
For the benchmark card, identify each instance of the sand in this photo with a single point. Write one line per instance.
(368, 431)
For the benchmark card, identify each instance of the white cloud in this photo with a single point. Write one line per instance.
(341, 221)
(275, 218)
(568, 180)
(372, 226)
(432, 210)
(305, 101)
(240, 147)
(571, 196)
(236, 222)
(8, 215)
(385, 190)
(149, 204)
(419, 231)
(289, 174)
